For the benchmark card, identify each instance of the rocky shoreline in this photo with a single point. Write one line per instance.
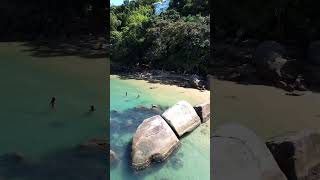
(288, 65)
(160, 76)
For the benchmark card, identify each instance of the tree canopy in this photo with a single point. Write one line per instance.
(177, 39)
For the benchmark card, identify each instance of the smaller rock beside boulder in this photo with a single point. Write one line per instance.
(154, 140)
(203, 111)
(182, 117)
(298, 154)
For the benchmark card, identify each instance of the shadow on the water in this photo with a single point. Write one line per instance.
(71, 164)
(86, 47)
(174, 161)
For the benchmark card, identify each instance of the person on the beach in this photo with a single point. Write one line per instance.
(92, 108)
(53, 102)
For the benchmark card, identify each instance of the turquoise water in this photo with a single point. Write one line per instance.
(47, 139)
(190, 161)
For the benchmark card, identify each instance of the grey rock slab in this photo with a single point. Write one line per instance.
(182, 117)
(154, 140)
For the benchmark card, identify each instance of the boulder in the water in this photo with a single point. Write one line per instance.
(182, 117)
(203, 111)
(154, 140)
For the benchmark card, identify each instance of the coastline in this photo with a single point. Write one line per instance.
(167, 93)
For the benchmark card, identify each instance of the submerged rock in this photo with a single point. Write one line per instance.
(203, 110)
(95, 144)
(182, 117)
(298, 154)
(240, 154)
(154, 140)
(113, 158)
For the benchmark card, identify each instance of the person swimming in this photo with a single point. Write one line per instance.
(92, 108)
(53, 102)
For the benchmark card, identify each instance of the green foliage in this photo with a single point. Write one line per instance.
(289, 19)
(170, 41)
(191, 7)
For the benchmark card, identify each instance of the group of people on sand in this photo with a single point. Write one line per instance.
(53, 105)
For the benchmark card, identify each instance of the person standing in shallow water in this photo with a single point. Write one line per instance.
(53, 102)
(126, 93)
(92, 108)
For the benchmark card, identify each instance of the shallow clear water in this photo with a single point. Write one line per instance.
(46, 138)
(190, 161)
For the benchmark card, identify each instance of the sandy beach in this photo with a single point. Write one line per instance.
(168, 93)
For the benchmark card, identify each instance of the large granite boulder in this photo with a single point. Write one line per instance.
(238, 153)
(154, 140)
(298, 154)
(269, 58)
(203, 110)
(182, 117)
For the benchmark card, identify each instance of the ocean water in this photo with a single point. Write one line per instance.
(191, 161)
(46, 139)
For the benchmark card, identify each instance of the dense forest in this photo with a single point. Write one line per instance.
(45, 18)
(273, 19)
(269, 42)
(176, 40)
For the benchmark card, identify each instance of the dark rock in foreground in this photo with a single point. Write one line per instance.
(240, 154)
(203, 110)
(154, 140)
(298, 154)
(182, 117)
